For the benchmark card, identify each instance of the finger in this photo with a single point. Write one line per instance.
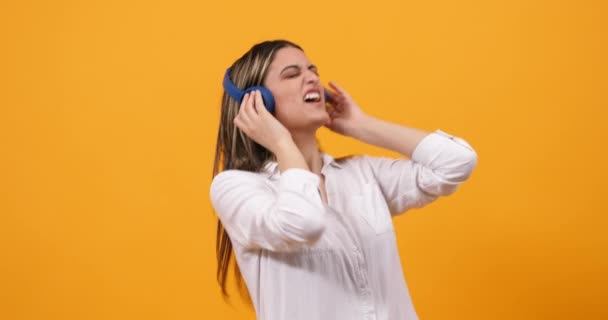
(238, 122)
(244, 101)
(334, 113)
(339, 89)
(250, 108)
(337, 100)
(259, 103)
(242, 127)
(333, 97)
(243, 114)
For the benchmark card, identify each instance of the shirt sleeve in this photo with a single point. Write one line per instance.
(439, 164)
(257, 216)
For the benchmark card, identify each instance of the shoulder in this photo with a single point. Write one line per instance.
(237, 174)
(350, 160)
(360, 161)
(234, 178)
(355, 168)
(368, 168)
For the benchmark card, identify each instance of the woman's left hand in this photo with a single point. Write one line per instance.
(345, 115)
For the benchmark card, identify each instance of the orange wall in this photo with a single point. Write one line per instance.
(109, 113)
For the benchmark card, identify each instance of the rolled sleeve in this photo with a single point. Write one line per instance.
(257, 216)
(451, 161)
(439, 164)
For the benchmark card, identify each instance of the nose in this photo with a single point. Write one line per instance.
(311, 77)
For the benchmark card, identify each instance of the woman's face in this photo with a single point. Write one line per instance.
(297, 90)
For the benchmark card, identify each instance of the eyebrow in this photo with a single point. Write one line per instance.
(295, 66)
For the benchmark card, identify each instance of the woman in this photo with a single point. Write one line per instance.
(312, 235)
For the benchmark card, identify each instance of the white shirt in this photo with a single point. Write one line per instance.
(304, 259)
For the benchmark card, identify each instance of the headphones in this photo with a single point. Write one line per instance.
(238, 94)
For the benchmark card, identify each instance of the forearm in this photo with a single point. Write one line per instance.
(289, 156)
(388, 135)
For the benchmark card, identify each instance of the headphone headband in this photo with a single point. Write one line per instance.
(231, 88)
(238, 94)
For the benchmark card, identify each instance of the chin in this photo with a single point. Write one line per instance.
(320, 120)
(311, 122)
(306, 117)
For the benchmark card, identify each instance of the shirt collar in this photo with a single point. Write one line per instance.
(272, 167)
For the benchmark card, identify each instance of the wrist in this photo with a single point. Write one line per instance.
(282, 145)
(289, 156)
(360, 127)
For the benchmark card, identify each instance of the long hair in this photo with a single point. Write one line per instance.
(234, 149)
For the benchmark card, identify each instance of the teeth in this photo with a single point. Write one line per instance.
(312, 96)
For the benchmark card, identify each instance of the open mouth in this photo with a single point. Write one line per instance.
(312, 97)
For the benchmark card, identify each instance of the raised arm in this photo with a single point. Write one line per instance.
(387, 135)
(438, 163)
(256, 216)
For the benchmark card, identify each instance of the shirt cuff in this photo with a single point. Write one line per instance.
(427, 149)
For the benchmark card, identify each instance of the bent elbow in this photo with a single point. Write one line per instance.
(312, 228)
(295, 226)
(460, 169)
(445, 180)
(467, 166)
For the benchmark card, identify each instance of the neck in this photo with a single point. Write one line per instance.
(307, 143)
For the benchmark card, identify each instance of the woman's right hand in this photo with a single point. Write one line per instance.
(259, 124)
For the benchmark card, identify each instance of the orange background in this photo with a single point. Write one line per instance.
(110, 109)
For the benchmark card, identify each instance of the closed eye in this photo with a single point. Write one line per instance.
(294, 71)
(314, 69)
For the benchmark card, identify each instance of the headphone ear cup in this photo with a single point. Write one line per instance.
(266, 97)
(327, 97)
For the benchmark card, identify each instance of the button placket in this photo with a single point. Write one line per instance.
(363, 285)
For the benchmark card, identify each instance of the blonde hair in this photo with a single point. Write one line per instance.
(234, 149)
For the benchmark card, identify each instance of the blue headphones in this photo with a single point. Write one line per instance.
(238, 94)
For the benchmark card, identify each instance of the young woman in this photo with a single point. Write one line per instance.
(313, 235)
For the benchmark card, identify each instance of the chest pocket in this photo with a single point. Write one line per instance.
(371, 205)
